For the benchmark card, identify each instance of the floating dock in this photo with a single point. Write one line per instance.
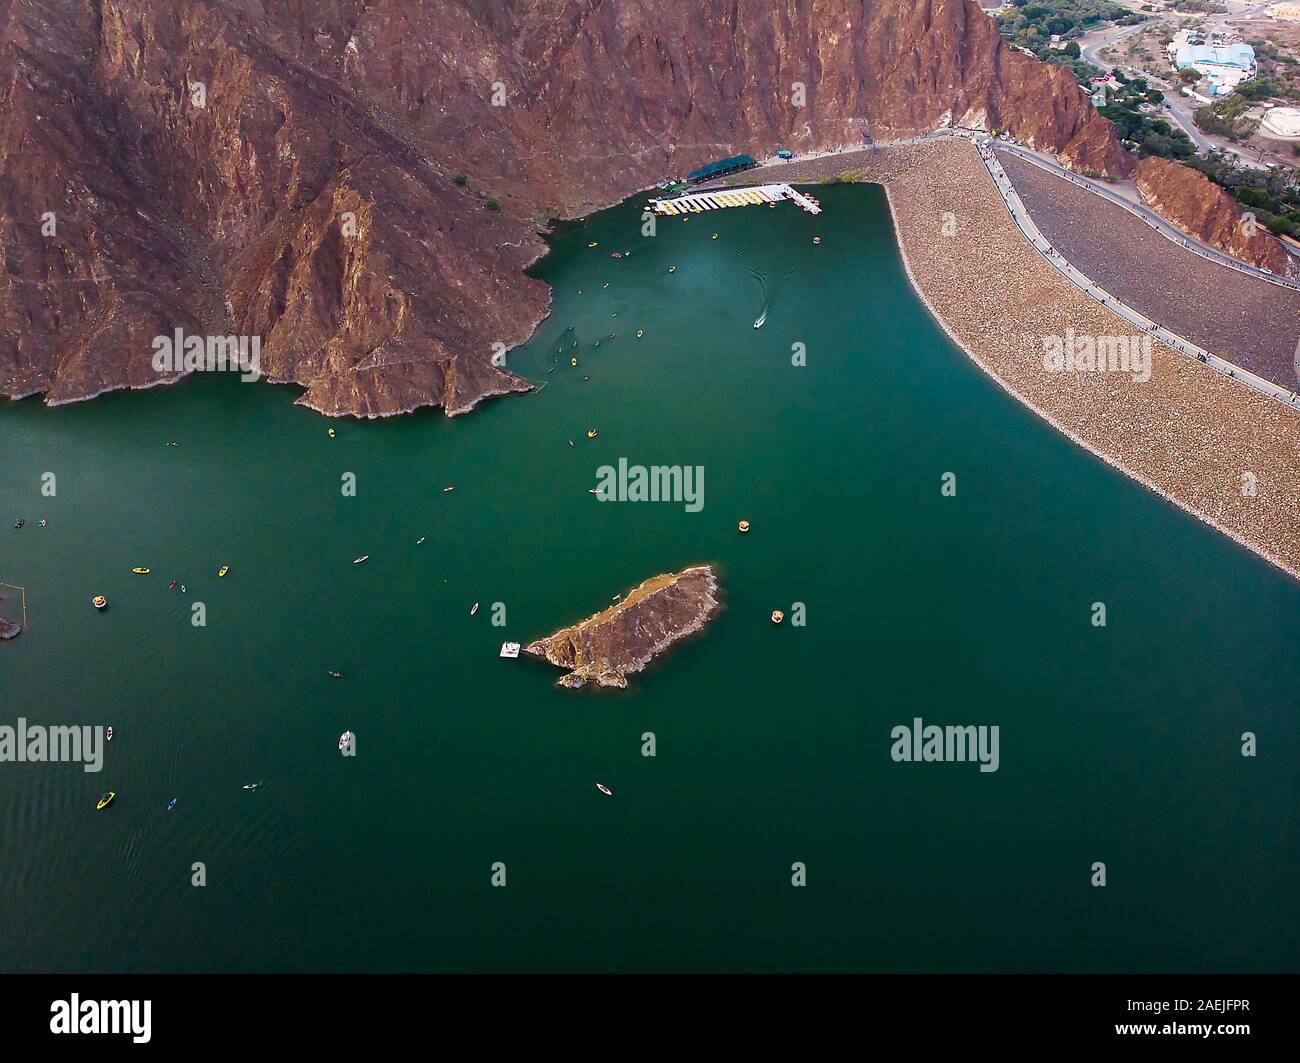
(698, 202)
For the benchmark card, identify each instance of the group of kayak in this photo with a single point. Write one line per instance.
(99, 601)
(106, 798)
(346, 739)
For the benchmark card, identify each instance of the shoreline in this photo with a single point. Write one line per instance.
(1092, 395)
(1069, 433)
(983, 307)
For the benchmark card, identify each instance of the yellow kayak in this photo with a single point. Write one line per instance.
(223, 570)
(140, 571)
(104, 799)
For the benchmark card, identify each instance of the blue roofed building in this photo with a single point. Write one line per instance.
(1224, 66)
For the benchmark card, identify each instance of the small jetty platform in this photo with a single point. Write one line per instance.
(698, 202)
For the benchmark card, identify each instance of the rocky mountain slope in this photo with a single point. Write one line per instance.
(361, 183)
(1202, 209)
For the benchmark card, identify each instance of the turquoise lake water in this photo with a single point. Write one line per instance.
(1119, 744)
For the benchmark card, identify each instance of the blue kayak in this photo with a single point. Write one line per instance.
(171, 804)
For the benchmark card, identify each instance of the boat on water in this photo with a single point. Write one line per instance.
(171, 585)
(171, 804)
(510, 650)
(419, 540)
(672, 269)
(336, 675)
(474, 610)
(604, 789)
(331, 431)
(640, 333)
(591, 433)
(140, 571)
(358, 560)
(19, 522)
(99, 602)
(41, 523)
(777, 616)
(108, 735)
(743, 526)
(223, 570)
(345, 740)
(105, 799)
(252, 785)
(449, 487)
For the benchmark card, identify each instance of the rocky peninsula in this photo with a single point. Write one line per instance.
(619, 641)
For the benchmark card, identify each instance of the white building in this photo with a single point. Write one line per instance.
(1283, 122)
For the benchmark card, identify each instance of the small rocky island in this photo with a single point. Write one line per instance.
(9, 629)
(619, 641)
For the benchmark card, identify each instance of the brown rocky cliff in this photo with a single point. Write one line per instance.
(621, 640)
(1202, 209)
(307, 197)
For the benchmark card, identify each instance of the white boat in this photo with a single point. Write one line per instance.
(474, 610)
(604, 789)
(345, 740)
(358, 560)
(510, 649)
(108, 735)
